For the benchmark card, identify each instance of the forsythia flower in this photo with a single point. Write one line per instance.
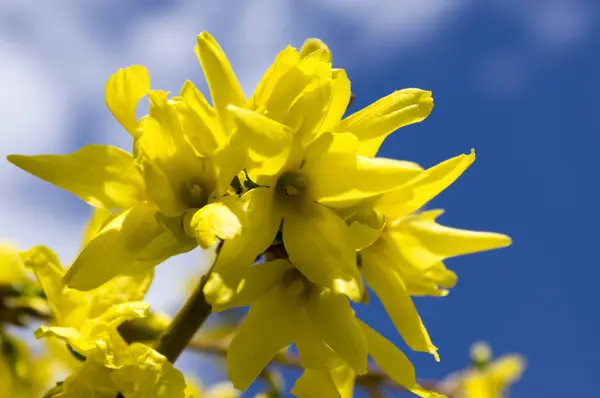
(22, 375)
(321, 169)
(487, 378)
(282, 174)
(286, 308)
(406, 257)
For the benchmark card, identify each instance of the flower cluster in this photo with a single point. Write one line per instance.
(290, 191)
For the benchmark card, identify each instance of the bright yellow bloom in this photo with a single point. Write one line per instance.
(406, 258)
(181, 164)
(336, 382)
(11, 269)
(301, 99)
(287, 308)
(487, 378)
(22, 375)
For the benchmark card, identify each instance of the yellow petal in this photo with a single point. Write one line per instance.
(375, 122)
(409, 199)
(315, 383)
(309, 111)
(103, 176)
(224, 87)
(333, 319)
(263, 221)
(115, 248)
(318, 243)
(365, 227)
(313, 352)
(171, 168)
(506, 370)
(124, 89)
(340, 98)
(285, 60)
(267, 142)
(257, 280)
(47, 269)
(435, 242)
(313, 45)
(389, 358)
(268, 328)
(97, 220)
(151, 376)
(379, 273)
(218, 220)
(11, 268)
(201, 123)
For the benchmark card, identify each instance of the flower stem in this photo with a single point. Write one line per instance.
(186, 323)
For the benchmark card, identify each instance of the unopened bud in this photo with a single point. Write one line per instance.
(312, 45)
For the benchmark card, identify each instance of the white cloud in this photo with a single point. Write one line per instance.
(548, 29)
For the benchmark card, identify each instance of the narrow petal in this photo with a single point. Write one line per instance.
(444, 242)
(365, 226)
(151, 376)
(375, 122)
(267, 142)
(316, 383)
(224, 87)
(200, 122)
(103, 176)
(390, 288)
(284, 61)
(124, 90)
(11, 268)
(409, 199)
(99, 217)
(333, 319)
(46, 267)
(263, 221)
(312, 46)
(268, 328)
(506, 370)
(340, 98)
(172, 169)
(218, 220)
(389, 358)
(312, 350)
(259, 279)
(309, 110)
(319, 244)
(115, 248)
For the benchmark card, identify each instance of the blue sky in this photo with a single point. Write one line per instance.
(515, 80)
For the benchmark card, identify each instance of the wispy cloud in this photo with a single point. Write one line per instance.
(548, 30)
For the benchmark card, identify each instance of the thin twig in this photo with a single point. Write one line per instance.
(186, 323)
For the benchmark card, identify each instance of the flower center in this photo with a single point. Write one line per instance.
(292, 188)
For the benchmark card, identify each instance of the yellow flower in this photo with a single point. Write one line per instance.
(488, 378)
(110, 365)
(11, 269)
(163, 192)
(22, 375)
(336, 382)
(287, 308)
(402, 252)
(300, 99)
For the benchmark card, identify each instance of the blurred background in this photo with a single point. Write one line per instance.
(516, 80)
